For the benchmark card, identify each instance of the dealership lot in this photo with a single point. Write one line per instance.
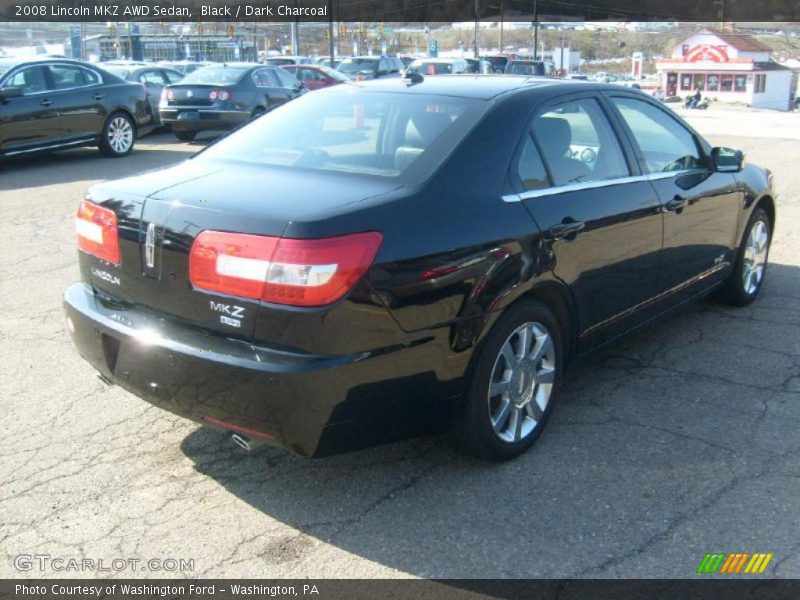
(681, 440)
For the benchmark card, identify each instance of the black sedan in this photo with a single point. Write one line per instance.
(379, 260)
(55, 104)
(225, 96)
(153, 77)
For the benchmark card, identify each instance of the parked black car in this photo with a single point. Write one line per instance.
(152, 76)
(225, 96)
(378, 260)
(55, 104)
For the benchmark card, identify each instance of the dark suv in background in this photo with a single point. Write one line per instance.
(371, 67)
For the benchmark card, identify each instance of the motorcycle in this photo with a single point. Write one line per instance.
(701, 104)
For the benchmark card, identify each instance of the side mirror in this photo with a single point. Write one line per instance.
(727, 160)
(10, 92)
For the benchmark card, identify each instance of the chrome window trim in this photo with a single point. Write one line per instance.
(589, 185)
(47, 65)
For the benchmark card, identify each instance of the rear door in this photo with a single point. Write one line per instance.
(701, 206)
(80, 100)
(30, 119)
(270, 93)
(600, 219)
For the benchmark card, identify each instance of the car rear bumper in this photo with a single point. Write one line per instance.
(199, 119)
(313, 405)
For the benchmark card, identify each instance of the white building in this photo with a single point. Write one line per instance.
(727, 67)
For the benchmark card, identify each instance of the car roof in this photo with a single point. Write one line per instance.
(33, 60)
(481, 87)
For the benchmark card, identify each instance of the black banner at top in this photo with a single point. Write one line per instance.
(398, 10)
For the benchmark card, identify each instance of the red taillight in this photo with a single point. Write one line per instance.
(223, 95)
(97, 232)
(280, 270)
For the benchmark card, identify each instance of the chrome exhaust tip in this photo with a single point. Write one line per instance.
(247, 444)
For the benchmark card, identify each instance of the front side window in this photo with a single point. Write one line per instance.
(665, 143)
(375, 133)
(31, 80)
(578, 143)
(285, 79)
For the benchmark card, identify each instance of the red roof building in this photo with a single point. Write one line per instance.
(727, 67)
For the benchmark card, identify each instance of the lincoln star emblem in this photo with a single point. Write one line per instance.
(189, 94)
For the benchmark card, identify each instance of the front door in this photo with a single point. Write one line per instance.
(701, 206)
(31, 119)
(600, 220)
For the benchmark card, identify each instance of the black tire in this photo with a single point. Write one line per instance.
(257, 112)
(118, 136)
(739, 290)
(185, 136)
(479, 429)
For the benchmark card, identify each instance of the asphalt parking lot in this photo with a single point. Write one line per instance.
(681, 440)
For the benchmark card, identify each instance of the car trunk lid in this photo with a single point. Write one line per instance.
(157, 228)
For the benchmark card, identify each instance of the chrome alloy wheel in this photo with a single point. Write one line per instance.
(521, 382)
(755, 257)
(120, 135)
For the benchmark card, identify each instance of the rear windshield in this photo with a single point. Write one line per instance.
(430, 68)
(355, 65)
(371, 133)
(215, 75)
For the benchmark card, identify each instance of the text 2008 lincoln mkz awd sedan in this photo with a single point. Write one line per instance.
(375, 261)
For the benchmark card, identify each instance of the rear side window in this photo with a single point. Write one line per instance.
(665, 144)
(531, 169)
(154, 77)
(579, 144)
(265, 78)
(67, 77)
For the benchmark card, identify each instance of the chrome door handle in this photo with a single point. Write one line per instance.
(563, 230)
(676, 204)
(46, 102)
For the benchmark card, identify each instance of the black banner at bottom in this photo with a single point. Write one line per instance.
(402, 589)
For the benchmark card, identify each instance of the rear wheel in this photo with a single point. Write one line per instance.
(515, 381)
(118, 135)
(751, 262)
(185, 136)
(257, 113)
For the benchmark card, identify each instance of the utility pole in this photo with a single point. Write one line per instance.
(501, 26)
(475, 38)
(536, 29)
(295, 40)
(331, 46)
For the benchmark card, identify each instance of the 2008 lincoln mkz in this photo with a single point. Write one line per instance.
(378, 260)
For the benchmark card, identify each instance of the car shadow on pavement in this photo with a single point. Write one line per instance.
(73, 165)
(657, 446)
